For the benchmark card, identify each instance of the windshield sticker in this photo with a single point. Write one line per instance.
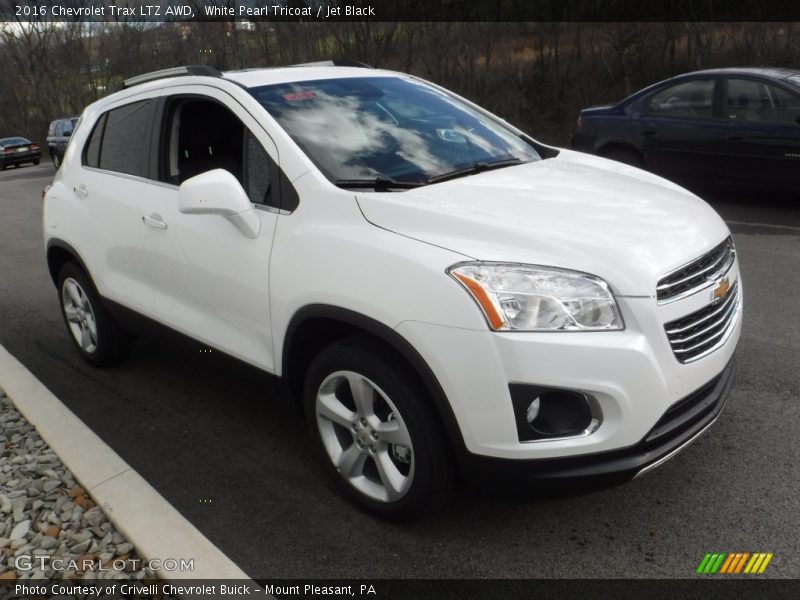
(295, 96)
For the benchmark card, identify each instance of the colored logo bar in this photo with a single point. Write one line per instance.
(734, 563)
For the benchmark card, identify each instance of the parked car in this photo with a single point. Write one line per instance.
(729, 127)
(18, 150)
(58, 136)
(442, 294)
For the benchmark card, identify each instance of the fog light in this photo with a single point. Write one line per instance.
(553, 413)
(533, 410)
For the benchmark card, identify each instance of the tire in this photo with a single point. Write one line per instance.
(95, 334)
(628, 157)
(56, 160)
(36, 162)
(394, 481)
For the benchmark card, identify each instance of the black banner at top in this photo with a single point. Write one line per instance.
(396, 10)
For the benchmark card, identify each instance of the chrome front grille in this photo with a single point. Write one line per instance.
(697, 274)
(703, 331)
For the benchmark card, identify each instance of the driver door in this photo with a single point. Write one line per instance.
(209, 280)
(677, 131)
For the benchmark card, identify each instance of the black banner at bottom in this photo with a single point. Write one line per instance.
(405, 589)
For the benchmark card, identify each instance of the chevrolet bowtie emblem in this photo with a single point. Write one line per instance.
(722, 289)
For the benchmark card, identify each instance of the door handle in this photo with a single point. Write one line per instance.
(80, 190)
(154, 221)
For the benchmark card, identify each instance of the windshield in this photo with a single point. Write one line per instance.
(13, 141)
(388, 128)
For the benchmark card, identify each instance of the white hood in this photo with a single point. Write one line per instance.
(574, 211)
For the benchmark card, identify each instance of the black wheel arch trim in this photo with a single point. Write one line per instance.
(395, 341)
(61, 244)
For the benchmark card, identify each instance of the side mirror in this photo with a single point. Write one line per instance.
(218, 192)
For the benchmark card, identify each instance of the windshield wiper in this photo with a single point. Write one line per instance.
(478, 167)
(379, 183)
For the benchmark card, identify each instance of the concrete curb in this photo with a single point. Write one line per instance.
(136, 509)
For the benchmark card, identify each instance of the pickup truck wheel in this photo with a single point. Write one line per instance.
(98, 338)
(375, 430)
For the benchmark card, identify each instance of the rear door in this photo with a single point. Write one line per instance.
(676, 127)
(112, 183)
(760, 134)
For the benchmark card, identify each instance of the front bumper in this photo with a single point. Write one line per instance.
(686, 420)
(633, 377)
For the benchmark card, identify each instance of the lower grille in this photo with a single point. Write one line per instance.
(703, 331)
(685, 413)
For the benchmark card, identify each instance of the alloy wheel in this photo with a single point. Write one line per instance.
(80, 315)
(365, 436)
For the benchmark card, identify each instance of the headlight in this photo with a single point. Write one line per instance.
(530, 298)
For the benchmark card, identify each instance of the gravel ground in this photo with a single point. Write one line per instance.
(49, 526)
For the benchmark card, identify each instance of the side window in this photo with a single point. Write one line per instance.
(91, 152)
(59, 128)
(203, 135)
(750, 100)
(690, 99)
(124, 143)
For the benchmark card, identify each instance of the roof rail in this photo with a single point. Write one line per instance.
(173, 72)
(335, 63)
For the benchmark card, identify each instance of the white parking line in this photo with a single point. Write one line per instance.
(136, 509)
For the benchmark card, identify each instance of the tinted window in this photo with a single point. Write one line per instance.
(364, 128)
(91, 154)
(205, 135)
(124, 143)
(685, 100)
(750, 100)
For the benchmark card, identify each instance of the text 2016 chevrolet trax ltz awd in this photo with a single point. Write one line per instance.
(444, 295)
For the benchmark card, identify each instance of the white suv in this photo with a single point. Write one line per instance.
(444, 295)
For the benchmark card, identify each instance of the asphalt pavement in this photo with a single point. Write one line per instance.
(212, 437)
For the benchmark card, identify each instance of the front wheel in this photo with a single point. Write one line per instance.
(97, 337)
(375, 430)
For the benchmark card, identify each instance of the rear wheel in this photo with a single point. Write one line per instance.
(56, 160)
(375, 430)
(97, 337)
